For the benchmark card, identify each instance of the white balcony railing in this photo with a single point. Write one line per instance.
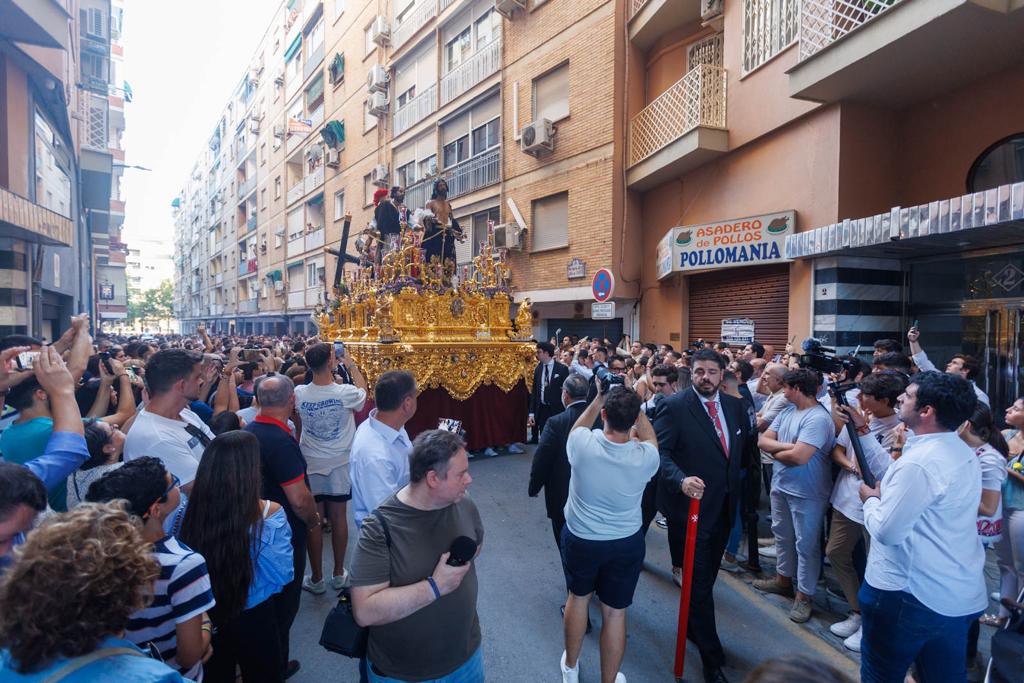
(822, 22)
(296, 191)
(314, 295)
(413, 22)
(635, 6)
(316, 117)
(445, 4)
(293, 141)
(415, 110)
(246, 186)
(295, 247)
(485, 62)
(313, 61)
(697, 99)
(475, 173)
(247, 306)
(315, 239)
(312, 181)
(417, 194)
(297, 299)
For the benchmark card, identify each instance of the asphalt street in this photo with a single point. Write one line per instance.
(521, 589)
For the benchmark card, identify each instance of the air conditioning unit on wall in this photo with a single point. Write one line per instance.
(507, 8)
(332, 158)
(538, 137)
(379, 32)
(379, 175)
(508, 235)
(377, 79)
(378, 104)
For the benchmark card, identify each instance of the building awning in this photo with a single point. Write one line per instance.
(318, 199)
(970, 220)
(293, 48)
(274, 276)
(294, 264)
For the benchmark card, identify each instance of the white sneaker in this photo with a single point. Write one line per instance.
(768, 551)
(570, 675)
(339, 582)
(853, 642)
(620, 678)
(490, 452)
(515, 449)
(845, 629)
(314, 587)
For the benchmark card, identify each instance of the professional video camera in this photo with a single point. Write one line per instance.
(824, 359)
(607, 378)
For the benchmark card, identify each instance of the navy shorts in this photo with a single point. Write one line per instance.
(609, 568)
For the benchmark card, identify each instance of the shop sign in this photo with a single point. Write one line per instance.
(106, 292)
(737, 331)
(602, 310)
(577, 269)
(751, 241)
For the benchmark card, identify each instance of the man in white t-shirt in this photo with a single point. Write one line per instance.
(325, 408)
(602, 541)
(166, 428)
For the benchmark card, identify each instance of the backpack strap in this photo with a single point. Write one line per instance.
(73, 665)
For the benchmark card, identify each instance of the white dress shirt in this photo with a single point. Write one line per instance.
(378, 466)
(924, 364)
(924, 534)
(581, 369)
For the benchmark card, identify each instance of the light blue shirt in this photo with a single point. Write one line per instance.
(378, 465)
(273, 568)
(124, 668)
(812, 426)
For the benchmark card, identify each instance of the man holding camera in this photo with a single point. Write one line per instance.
(602, 541)
(704, 436)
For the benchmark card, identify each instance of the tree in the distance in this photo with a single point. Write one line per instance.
(151, 306)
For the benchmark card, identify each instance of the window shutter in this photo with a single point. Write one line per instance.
(551, 222)
(551, 95)
(464, 250)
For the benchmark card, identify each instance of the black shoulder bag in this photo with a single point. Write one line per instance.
(341, 633)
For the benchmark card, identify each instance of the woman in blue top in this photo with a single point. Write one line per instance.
(95, 555)
(247, 545)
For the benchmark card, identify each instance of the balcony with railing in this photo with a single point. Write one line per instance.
(313, 180)
(473, 174)
(296, 246)
(651, 19)
(297, 300)
(248, 305)
(294, 140)
(442, 5)
(413, 22)
(250, 223)
(316, 117)
(314, 295)
(485, 62)
(415, 110)
(247, 267)
(216, 309)
(246, 187)
(314, 60)
(417, 194)
(296, 191)
(900, 52)
(681, 129)
(314, 239)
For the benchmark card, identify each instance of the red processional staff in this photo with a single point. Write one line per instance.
(684, 593)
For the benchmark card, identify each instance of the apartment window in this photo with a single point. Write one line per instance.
(53, 182)
(92, 23)
(315, 94)
(456, 151)
(405, 97)
(428, 166)
(339, 7)
(401, 10)
(486, 136)
(263, 199)
(368, 38)
(457, 50)
(369, 120)
(263, 153)
(368, 190)
(315, 41)
(769, 27)
(405, 175)
(339, 205)
(480, 221)
(277, 187)
(551, 95)
(314, 275)
(551, 222)
(487, 28)
(94, 66)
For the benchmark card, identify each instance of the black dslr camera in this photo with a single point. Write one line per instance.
(607, 378)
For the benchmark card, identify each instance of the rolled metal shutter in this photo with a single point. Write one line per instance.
(760, 293)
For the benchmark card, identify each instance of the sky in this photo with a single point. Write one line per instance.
(183, 61)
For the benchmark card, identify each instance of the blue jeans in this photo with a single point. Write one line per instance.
(899, 631)
(470, 672)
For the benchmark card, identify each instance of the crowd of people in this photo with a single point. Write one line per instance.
(176, 489)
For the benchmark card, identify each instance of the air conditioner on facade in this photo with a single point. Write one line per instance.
(507, 8)
(508, 235)
(377, 79)
(538, 137)
(333, 158)
(378, 104)
(379, 175)
(278, 130)
(379, 32)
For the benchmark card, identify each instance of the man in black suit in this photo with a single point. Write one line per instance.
(545, 398)
(550, 469)
(704, 437)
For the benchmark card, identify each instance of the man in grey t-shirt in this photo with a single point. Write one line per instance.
(402, 582)
(801, 440)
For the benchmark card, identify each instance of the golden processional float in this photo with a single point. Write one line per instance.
(451, 328)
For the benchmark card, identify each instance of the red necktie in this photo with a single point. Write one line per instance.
(713, 412)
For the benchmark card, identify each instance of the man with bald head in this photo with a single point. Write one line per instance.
(285, 483)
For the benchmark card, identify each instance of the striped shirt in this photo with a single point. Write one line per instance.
(182, 591)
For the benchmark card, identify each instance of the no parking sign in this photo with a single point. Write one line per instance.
(603, 285)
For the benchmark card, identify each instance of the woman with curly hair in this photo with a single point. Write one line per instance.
(104, 572)
(247, 545)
